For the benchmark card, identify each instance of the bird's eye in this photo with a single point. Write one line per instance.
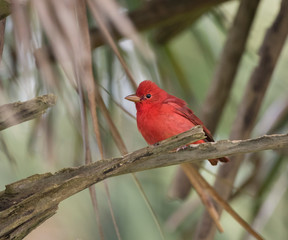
(148, 95)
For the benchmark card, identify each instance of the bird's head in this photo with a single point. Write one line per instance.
(146, 94)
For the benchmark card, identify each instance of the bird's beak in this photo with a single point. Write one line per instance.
(133, 98)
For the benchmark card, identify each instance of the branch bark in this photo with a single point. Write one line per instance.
(27, 203)
(14, 113)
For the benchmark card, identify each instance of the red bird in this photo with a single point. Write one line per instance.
(161, 115)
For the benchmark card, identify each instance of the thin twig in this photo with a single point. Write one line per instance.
(148, 204)
(110, 41)
(88, 158)
(226, 206)
(123, 150)
(2, 31)
(193, 176)
(86, 73)
(111, 211)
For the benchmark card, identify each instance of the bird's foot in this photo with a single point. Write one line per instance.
(181, 148)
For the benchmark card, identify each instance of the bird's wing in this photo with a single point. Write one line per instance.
(182, 109)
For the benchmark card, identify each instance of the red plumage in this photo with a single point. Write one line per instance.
(161, 115)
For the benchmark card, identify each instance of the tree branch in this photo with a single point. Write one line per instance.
(14, 113)
(32, 200)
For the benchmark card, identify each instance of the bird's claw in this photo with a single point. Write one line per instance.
(181, 148)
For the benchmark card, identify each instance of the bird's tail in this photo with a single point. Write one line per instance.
(215, 161)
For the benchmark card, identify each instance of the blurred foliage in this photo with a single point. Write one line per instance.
(184, 66)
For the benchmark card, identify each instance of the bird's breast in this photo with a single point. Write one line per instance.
(161, 123)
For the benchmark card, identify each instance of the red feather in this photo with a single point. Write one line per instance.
(161, 115)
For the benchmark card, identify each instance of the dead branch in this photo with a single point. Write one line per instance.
(27, 203)
(14, 113)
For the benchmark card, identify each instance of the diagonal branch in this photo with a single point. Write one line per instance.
(31, 201)
(14, 113)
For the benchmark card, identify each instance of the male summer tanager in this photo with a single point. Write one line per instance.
(161, 115)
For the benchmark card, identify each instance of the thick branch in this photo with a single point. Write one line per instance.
(18, 112)
(32, 200)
